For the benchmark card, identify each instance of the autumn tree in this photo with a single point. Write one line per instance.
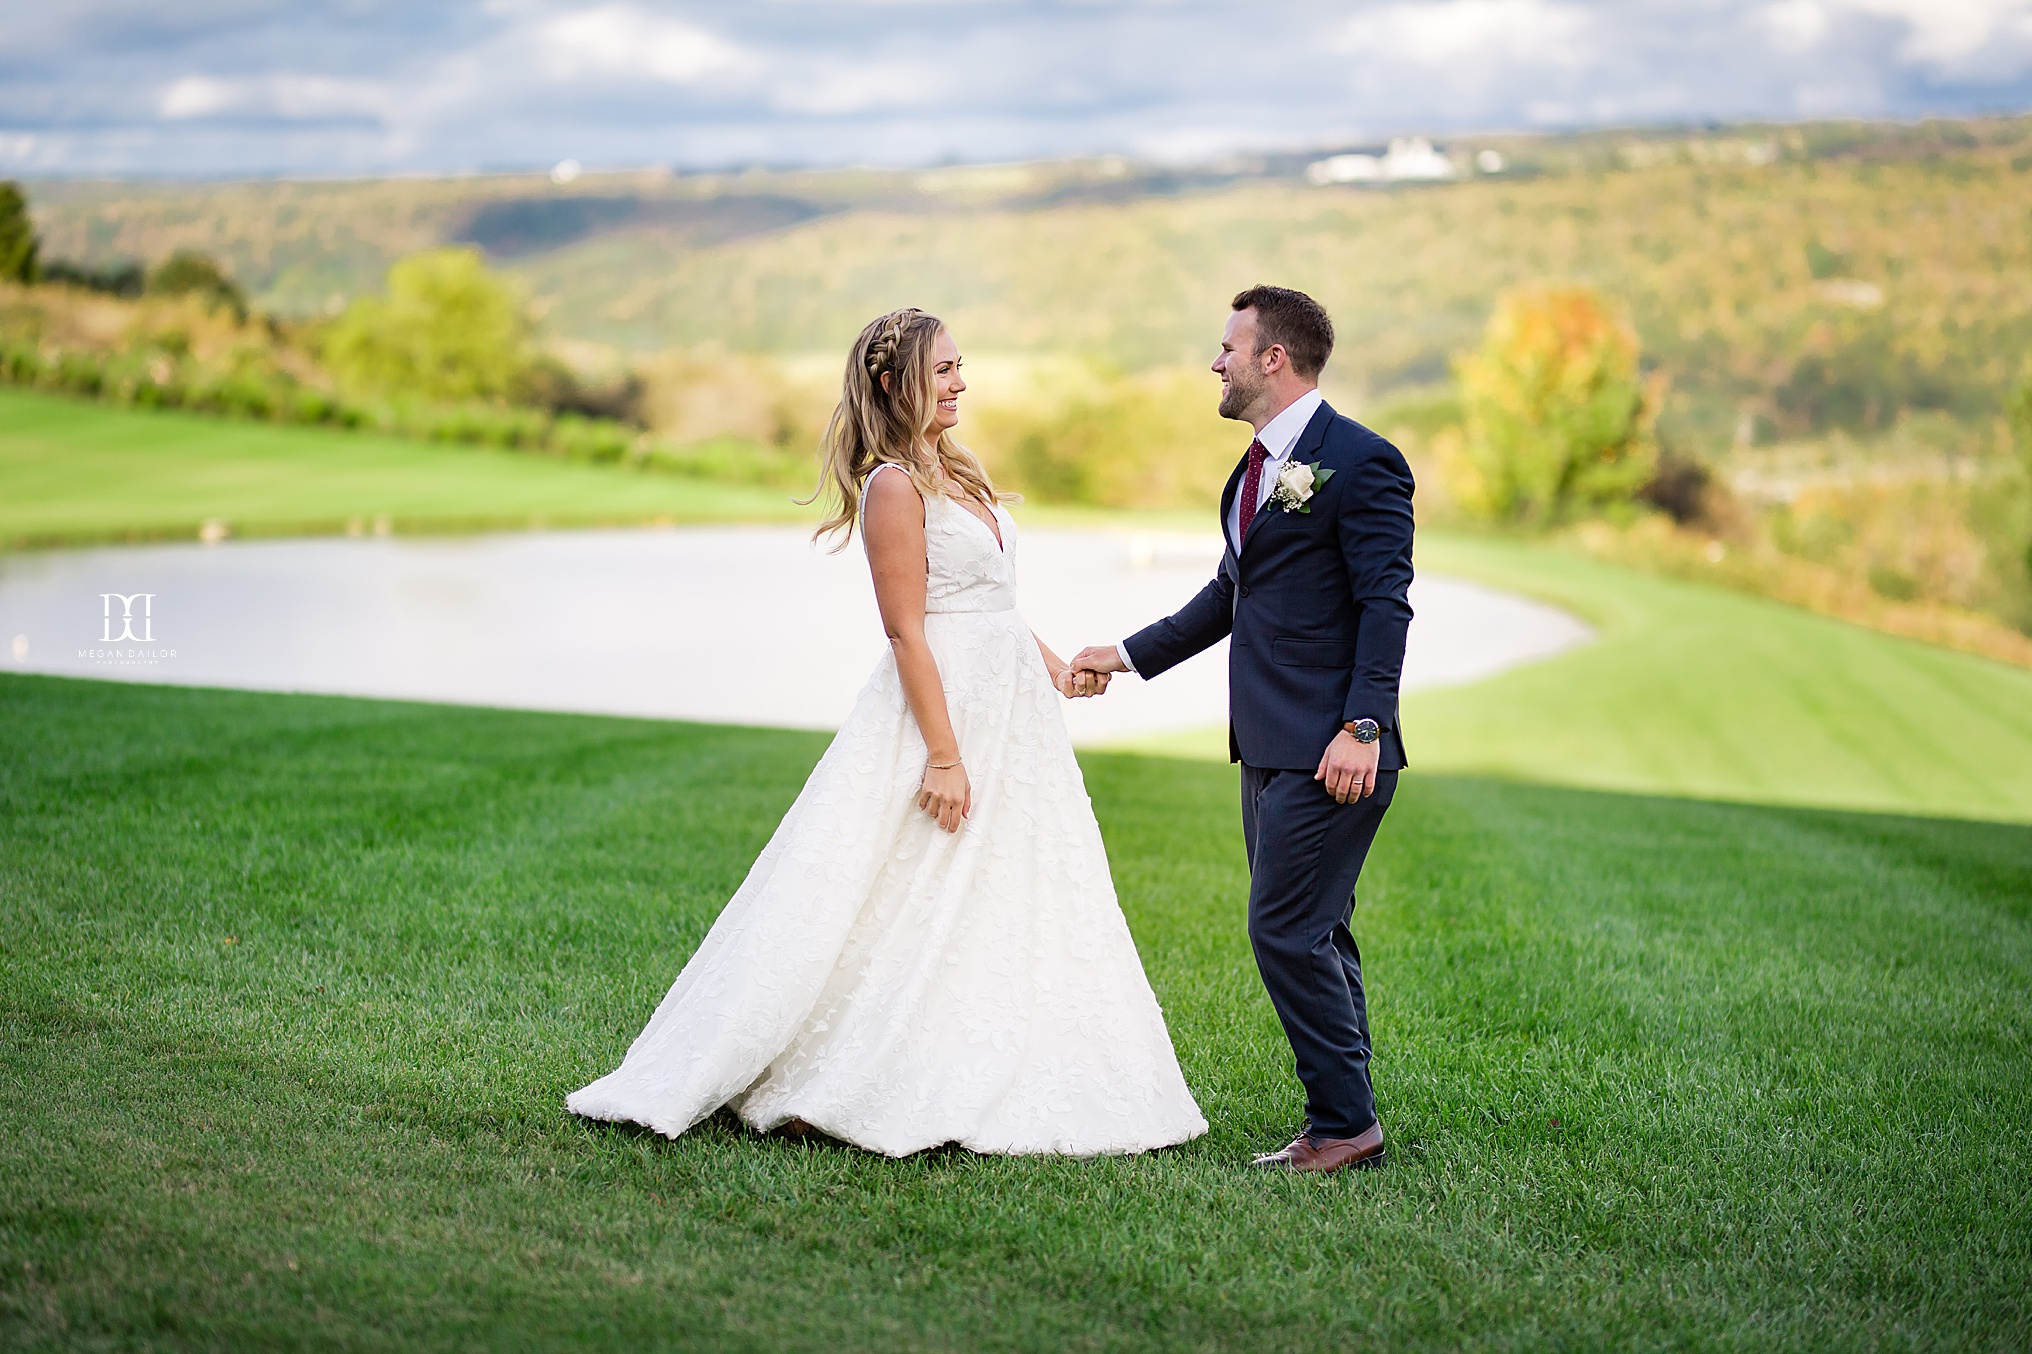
(1558, 422)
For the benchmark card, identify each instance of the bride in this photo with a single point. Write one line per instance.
(929, 949)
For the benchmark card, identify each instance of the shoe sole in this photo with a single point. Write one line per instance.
(1373, 1161)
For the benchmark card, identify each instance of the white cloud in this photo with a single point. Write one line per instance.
(596, 49)
(1796, 25)
(836, 88)
(197, 96)
(1938, 33)
(216, 86)
(1945, 32)
(1471, 33)
(283, 95)
(624, 40)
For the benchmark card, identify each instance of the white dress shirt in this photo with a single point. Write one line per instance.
(1278, 437)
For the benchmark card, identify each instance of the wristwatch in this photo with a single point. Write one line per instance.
(1364, 730)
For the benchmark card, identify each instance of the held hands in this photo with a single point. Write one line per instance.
(1089, 671)
(1349, 768)
(945, 793)
(1073, 682)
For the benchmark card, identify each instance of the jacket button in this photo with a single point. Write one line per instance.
(1245, 590)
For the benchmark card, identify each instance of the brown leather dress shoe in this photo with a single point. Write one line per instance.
(1309, 1153)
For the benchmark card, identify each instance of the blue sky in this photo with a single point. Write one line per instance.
(220, 87)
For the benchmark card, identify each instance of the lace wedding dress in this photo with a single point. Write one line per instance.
(898, 986)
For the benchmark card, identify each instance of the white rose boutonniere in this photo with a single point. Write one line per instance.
(1296, 484)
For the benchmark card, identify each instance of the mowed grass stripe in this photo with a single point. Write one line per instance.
(71, 471)
(1658, 1072)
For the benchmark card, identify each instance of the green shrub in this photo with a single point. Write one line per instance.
(585, 439)
(734, 460)
(448, 330)
(20, 364)
(237, 394)
(480, 425)
(1146, 441)
(159, 371)
(151, 394)
(75, 374)
(307, 404)
(2019, 411)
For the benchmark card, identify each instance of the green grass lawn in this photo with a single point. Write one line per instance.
(72, 472)
(1700, 691)
(294, 988)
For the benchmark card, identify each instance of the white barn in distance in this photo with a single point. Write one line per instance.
(1410, 159)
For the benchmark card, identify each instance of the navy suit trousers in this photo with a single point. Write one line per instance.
(1305, 853)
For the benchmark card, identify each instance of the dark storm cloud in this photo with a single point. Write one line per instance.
(234, 86)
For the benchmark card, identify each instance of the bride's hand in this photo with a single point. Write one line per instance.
(1073, 683)
(946, 795)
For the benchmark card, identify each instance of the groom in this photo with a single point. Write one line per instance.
(1312, 589)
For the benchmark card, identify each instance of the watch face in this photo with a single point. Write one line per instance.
(1367, 731)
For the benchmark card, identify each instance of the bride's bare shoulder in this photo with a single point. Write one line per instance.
(891, 497)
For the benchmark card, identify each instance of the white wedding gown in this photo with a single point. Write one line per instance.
(898, 986)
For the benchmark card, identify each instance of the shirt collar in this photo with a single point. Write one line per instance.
(1280, 434)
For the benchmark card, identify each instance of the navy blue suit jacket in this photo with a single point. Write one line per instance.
(1316, 604)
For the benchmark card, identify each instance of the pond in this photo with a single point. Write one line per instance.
(725, 624)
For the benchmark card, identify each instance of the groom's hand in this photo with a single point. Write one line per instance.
(1074, 682)
(1091, 667)
(1348, 768)
(1099, 658)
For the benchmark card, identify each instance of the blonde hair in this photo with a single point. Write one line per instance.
(871, 425)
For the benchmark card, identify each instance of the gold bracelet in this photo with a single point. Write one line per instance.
(937, 766)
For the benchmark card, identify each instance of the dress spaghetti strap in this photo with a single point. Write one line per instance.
(868, 483)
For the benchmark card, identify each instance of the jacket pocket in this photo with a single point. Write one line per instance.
(1313, 653)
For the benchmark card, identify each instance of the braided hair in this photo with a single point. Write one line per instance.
(873, 424)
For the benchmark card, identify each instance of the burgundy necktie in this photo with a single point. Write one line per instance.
(1252, 489)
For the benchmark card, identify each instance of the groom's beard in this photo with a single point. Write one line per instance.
(1235, 401)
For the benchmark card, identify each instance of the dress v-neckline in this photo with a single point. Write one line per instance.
(995, 531)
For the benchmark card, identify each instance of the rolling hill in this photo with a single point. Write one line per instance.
(1787, 281)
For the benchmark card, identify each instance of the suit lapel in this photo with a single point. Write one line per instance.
(1308, 444)
(1314, 437)
(1228, 501)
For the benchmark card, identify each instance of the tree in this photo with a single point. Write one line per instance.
(189, 273)
(18, 244)
(447, 330)
(1557, 418)
(114, 279)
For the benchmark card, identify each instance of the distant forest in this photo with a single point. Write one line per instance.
(1790, 281)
